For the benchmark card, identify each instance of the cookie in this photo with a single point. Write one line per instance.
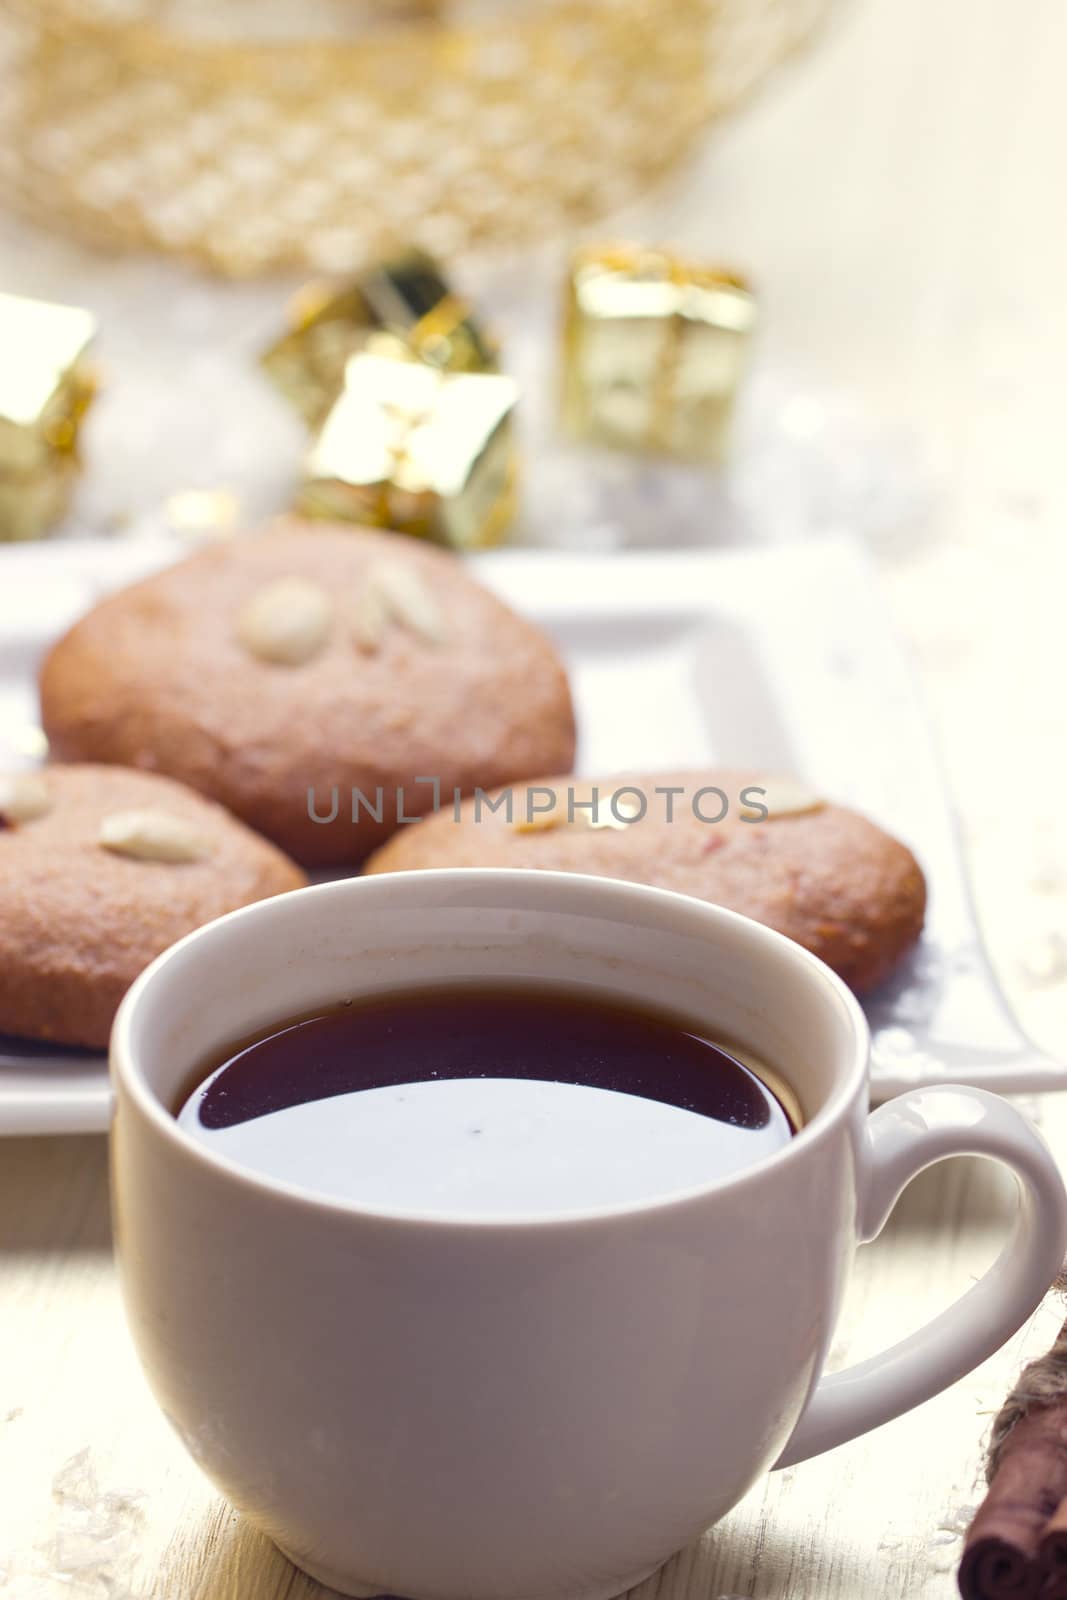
(319, 682)
(100, 870)
(825, 876)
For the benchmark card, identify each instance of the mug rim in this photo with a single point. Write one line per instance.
(125, 1068)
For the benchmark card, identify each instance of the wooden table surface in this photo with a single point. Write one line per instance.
(899, 196)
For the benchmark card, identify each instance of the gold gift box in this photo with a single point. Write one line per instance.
(329, 322)
(654, 349)
(45, 388)
(411, 447)
(29, 506)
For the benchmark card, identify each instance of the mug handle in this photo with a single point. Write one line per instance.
(904, 1137)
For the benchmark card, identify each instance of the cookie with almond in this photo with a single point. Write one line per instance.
(764, 845)
(101, 869)
(320, 682)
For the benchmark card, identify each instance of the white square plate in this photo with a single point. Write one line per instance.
(778, 659)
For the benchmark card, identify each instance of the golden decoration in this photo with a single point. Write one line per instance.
(411, 447)
(406, 296)
(654, 349)
(46, 386)
(223, 141)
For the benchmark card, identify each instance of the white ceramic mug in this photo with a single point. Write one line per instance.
(543, 1408)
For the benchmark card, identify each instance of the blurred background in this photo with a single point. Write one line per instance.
(882, 175)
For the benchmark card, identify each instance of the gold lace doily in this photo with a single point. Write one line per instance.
(146, 122)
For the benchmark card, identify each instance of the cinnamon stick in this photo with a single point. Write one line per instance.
(994, 1570)
(1052, 1556)
(1016, 1547)
(1000, 1554)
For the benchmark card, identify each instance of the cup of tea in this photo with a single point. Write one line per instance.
(483, 1233)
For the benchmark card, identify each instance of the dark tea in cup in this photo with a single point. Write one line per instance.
(488, 1100)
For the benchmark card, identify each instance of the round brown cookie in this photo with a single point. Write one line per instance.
(285, 674)
(825, 876)
(101, 869)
